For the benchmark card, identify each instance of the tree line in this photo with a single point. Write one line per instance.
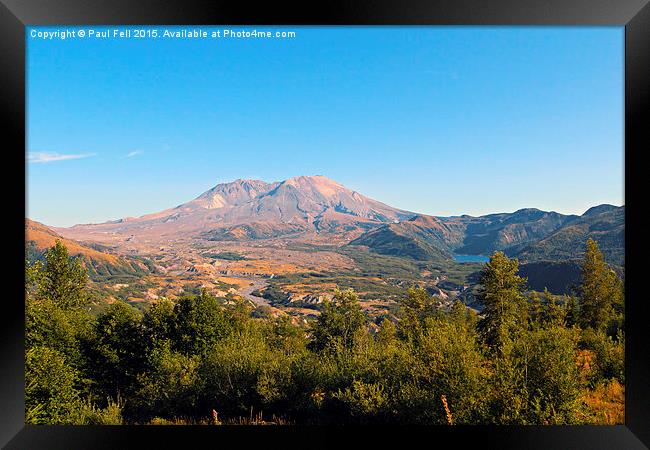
(527, 358)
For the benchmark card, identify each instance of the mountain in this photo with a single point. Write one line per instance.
(100, 263)
(254, 209)
(420, 238)
(318, 210)
(424, 237)
(554, 262)
(604, 223)
(600, 209)
(508, 231)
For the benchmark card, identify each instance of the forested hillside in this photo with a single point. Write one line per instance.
(605, 224)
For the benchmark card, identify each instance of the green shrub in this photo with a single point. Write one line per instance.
(551, 379)
(50, 393)
(89, 414)
(609, 362)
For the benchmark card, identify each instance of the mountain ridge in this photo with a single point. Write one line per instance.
(606, 225)
(40, 237)
(305, 207)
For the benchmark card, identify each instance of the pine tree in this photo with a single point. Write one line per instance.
(554, 313)
(546, 310)
(505, 309)
(572, 309)
(600, 291)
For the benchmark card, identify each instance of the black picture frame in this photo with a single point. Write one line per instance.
(634, 15)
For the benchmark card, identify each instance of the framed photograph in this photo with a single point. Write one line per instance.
(262, 225)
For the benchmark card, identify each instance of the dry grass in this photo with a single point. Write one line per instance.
(584, 360)
(605, 404)
(252, 419)
(257, 420)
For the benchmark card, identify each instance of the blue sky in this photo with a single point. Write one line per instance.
(437, 120)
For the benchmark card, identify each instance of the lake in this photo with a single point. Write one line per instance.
(471, 258)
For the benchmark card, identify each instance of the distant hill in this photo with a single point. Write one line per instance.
(100, 263)
(605, 224)
(424, 237)
(508, 231)
(421, 238)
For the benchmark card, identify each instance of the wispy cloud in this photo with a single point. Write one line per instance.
(46, 157)
(133, 153)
